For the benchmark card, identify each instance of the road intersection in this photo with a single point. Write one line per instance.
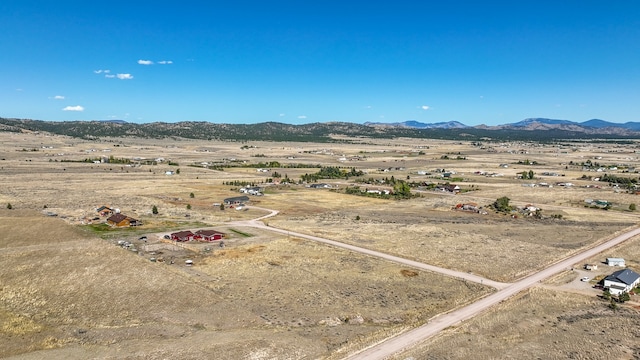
(440, 322)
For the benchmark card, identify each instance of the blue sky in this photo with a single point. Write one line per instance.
(477, 62)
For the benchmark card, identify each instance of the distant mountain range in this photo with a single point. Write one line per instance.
(535, 129)
(593, 126)
(526, 124)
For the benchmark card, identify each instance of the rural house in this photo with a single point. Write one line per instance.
(236, 200)
(616, 262)
(121, 220)
(104, 211)
(183, 236)
(209, 235)
(621, 281)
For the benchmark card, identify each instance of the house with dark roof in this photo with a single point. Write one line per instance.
(621, 281)
(121, 220)
(236, 200)
(104, 211)
(183, 236)
(209, 235)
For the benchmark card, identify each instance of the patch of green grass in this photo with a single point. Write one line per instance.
(105, 231)
(241, 233)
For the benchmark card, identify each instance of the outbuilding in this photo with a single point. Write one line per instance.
(616, 262)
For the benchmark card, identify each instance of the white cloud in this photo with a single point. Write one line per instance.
(73, 108)
(58, 97)
(108, 76)
(101, 71)
(124, 76)
(145, 62)
(424, 107)
(281, 115)
(302, 117)
(165, 62)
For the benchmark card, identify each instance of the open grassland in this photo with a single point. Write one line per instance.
(68, 292)
(286, 298)
(427, 230)
(540, 324)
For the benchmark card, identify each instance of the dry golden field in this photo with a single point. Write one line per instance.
(540, 324)
(67, 291)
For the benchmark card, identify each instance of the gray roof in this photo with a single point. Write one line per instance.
(625, 276)
(236, 199)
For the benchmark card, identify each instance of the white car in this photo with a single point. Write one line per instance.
(585, 279)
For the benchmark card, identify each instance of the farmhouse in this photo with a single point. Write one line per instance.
(121, 220)
(236, 200)
(183, 236)
(616, 262)
(254, 190)
(209, 235)
(320, 186)
(454, 189)
(104, 211)
(621, 281)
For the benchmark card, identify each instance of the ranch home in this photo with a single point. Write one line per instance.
(183, 236)
(209, 235)
(121, 220)
(236, 200)
(621, 281)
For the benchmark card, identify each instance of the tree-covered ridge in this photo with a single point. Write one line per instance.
(274, 131)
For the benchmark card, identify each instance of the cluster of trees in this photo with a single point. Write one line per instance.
(620, 180)
(527, 175)
(401, 190)
(527, 162)
(502, 205)
(459, 157)
(332, 172)
(239, 183)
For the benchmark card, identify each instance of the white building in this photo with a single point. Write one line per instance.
(621, 281)
(616, 262)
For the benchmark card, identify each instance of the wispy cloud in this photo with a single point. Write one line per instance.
(124, 76)
(302, 117)
(73, 108)
(424, 107)
(165, 62)
(109, 76)
(281, 115)
(145, 62)
(57, 97)
(102, 71)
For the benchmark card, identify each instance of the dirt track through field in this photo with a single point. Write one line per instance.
(439, 323)
(456, 274)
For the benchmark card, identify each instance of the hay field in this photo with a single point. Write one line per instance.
(540, 324)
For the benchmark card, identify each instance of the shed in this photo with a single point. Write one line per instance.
(616, 262)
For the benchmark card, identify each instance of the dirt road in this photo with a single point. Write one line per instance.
(440, 322)
(435, 325)
(456, 274)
